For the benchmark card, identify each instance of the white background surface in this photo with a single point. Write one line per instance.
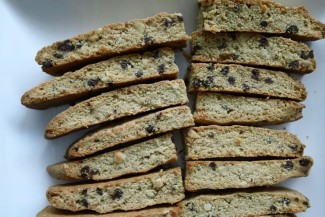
(28, 25)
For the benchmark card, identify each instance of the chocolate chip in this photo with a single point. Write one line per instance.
(306, 56)
(150, 128)
(286, 201)
(84, 192)
(197, 83)
(158, 116)
(227, 109)
(83, 202)
(211, 135)
(293, 147)
(245, 87)
(195, 48)
(117, 194)
(210, 67)
(66, 46)
(93, 82)
(114, 111)
(294, 64)
(139, 74)
(213, 166)
(237, 8)
(263, 23)
(231, 80)
(78, 46)
(273, 208)
(255, 74)
(235, 56)
(293, 29)
(124, 64)
(225, 70)
(264, 42)
(180, 18)
(306, 203)
(288, 165)
(208, 81)
(311, 54)
(47, 64)
(161, 68)
(99, 191)
(87, 173)
(169, 23)
(191, 206)
(155, 54)
(304, 162)
(58, 55)
(223, 45)
(268, 80)
(147, 40)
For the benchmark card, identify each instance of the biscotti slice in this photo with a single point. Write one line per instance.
(138, 128)
(253, 50)
(126, 194)
(138, 158)
(117, 104)
(223, 109)
(254, 202)
(258, 16)
(239, 79)
(214, 141)
(168, 211)
(160, 30)
(243, 174)
(99, 77)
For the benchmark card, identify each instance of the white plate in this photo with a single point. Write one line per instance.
(27, 26)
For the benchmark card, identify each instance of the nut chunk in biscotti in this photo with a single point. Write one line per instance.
(258, 16)
(253, 50)
(209, 77)
(223, 109)
(116, 104)
(243, 174)
(160, 30)
(99, 77)
(138, 158)
(125, 194)
(141, 127)
(207, 142)
(253, 202)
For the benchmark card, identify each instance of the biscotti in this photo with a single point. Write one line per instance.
(253, 50)
(124, 194)
(225, 78)
(207, 142)
(117, 104)
(258, 16)
(99, 77)
(168, 211)
(138, 128)
(160, 30)
(253, 202)
(223, 109)
(138, 158)
(243, 174)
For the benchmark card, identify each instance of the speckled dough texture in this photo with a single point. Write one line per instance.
(223, 109)
(207, 142)
(254, 202)
(253, 50)
(116, 104)
(230, 78)
(258, 16)
(103, 76)
(125, 194)
(131, 130)
(160, 30)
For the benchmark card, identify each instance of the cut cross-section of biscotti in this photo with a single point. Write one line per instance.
(258, 16)
(214, 141)
(117, 104)
(99, 77)
(166, 211)
(138, 128)
(160, 30)
(138, 158)
(254, 202)
(164, 187)
(243, 174)
(239, 79)
(223, 109)
(254, 50)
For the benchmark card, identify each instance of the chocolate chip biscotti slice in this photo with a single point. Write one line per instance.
(254, 202)
(99, 77)
(131, 130)
(160, 30)
(138, 158)
(258, 16)
(168, 211)
(223, 109)
(231, 78)
(117, 104)
(164, 187)
(253, 50)
(243, 174)
(214, 141)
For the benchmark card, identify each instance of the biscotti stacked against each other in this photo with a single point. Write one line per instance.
(241, 54)
(138, 103)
